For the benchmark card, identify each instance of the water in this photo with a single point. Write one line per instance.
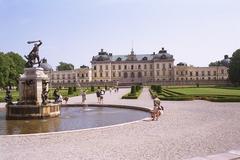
(71, 118)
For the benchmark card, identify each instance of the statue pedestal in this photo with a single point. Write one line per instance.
(31, 85)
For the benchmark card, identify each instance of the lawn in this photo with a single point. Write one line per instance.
(210, 93)
(207, 91)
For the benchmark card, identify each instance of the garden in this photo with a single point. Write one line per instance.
(210, 93)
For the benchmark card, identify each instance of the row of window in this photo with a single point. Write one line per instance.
(69, 81)
(203, 78)
(145, 66)
(69, 76)
(182, 73)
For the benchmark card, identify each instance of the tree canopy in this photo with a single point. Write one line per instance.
(11, 66)
(65, 66)
(234, 68)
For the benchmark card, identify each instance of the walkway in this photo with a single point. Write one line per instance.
(187, 129)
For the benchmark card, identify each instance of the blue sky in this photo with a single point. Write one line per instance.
(194, 31)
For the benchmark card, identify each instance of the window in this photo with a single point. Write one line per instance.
(86, 74)
(203, 74)
(125, 75)
(132, 67)
(100, 67)
(95, 67)
(151, 73)
(157, 73)
(151, 66)
(113, 67)
(164, 72)
(139, 74)
(119, 67)
(125, 66)
(113, 74)
(82, 75)
(106, 67)
(106, 73)
(100, 74)
(214, 73)
(209, 73)
(196, 73)
(222, 71)
(170, 65)
(190, 73)
(139, 66)
(132, 75)
(145, 66)
(157, 66)
(119, 74)
(181, 73)
(95, 74)
(164, 67)
(145, 73)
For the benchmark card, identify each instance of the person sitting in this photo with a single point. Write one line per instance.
(157, 109)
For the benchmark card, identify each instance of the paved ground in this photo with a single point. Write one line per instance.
(187, 129)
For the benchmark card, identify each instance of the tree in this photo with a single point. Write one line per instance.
(70, 90)
(234, 68)
(65, 66)
(133, 90)
(11, 66)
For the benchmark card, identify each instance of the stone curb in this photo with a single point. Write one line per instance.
(230, 155)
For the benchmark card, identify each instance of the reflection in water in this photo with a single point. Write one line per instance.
(71, 118)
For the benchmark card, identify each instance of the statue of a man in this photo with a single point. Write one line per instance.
(8, 97)
(34, 54)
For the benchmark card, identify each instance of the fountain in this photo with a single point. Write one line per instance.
(33, 92)
(33, 105)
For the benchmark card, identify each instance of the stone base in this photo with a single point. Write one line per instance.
(32, 111)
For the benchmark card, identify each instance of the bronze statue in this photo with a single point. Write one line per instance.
(33, 55)
(56, 95)
(8, 97)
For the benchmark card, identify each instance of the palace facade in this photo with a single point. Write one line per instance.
(138, 68)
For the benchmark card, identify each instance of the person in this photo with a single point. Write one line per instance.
(155, 113)
(101, 96)
(56, 95)
(83, 97)
(110, 90)
(98, 93)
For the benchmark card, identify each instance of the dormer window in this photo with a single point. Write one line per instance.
(144, 58)
(163, 56)
(119, 59)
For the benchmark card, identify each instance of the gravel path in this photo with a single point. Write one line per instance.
(187, 129)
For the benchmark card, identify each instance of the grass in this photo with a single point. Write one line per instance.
(207, 91)
(63, 92)
(131, 96)
(210, 93)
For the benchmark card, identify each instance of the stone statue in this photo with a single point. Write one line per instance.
(33, 55)
(8, 97)
(44, 96)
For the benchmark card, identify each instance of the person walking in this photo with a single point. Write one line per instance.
(98, 93)
(84, 97)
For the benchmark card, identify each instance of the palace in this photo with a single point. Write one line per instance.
(140, 68)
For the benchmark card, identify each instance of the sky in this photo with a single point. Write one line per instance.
(196, 32)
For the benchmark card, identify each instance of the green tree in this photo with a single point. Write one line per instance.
(133, 90)
(92, 88)
(70, 90)
(65, 66)
(234, 68)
